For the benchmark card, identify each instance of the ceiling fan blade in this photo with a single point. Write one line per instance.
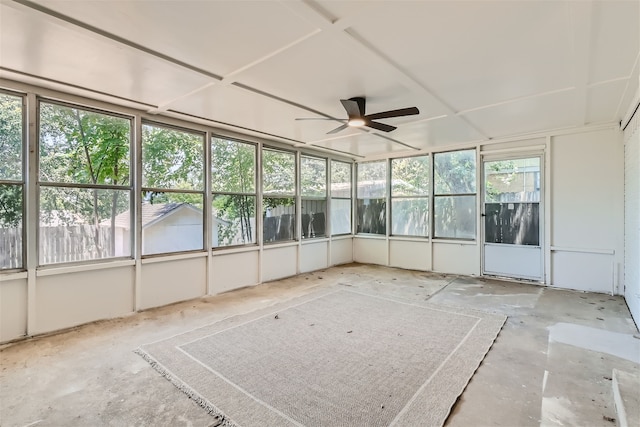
(380, 126)
(321, 118)
(393, 113)
(338, 129)
(354, 106)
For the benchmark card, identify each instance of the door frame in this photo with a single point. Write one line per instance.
(488, 156)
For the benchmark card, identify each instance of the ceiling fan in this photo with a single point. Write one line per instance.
(355, 108)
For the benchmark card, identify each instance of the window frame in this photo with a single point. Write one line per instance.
(144, 189)
(21, 183)
(426, 197)
(384, 198)
(332, 197)
(435, 195)
(39, 183)
(293, 195)
(304, 198)
(256, 166)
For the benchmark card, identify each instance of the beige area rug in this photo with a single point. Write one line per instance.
(331, 358)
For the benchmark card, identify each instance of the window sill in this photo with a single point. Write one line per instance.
(12, 275)
(172, 257)
(52, 270)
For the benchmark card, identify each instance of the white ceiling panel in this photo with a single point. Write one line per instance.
(323, 69)
(242, 108)
(475, 53)
(555, 111)
(363, 144)
(476, 69)
(35, 45)
(219, 36)
(616, 39)
(439, 132)
(603, 101)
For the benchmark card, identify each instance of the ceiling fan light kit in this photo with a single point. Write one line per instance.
(355, 108)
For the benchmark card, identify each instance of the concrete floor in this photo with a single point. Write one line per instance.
(551, 365)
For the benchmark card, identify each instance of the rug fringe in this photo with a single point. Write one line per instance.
(193, 395)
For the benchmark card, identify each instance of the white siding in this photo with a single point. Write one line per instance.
(632, 217)
(587, 181)
(13, 309)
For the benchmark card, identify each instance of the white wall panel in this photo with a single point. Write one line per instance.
(632, 217)
(456, 258)
(70, 299)
(167, 282)
(370, 251)
(314, 256)
(279, 262)
(520, 261)
(591, 272)
(410, 255)
(13, 309)
(587, 199)
(341, 251)
(233, 271)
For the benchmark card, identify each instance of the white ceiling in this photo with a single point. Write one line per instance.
(477, 70)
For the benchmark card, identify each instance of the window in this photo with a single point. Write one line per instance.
(340, 197)
(172, 190)
(371, 197)
(455, 194)
(11, 182)
(313, 181)
(233, 182)
(410, 196)
(512, 201)
(85, 184)
(278, 195)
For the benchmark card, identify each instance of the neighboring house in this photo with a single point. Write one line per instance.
(166, 227)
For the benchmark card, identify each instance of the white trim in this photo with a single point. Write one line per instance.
(18, 275)
(455, 242)
(52, 270)
(276, 245)
(533, 148)
(313, 240)
(421, 239)
(235, 249)
(175, 257)
(582, 250)
(370, 236)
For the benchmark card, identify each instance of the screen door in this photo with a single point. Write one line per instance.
(511, 218)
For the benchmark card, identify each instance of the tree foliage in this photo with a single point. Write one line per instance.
(313, 177)
(233, 181)
(11, 130)
(172, 158)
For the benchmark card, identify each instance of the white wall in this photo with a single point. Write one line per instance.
(234, 270)
(179, 231)
(587, 216)
(632, 217)
(341, 250)
(314, 255)
(370, 250)
(409, 254)
(168, 281)
(69, 299)
(279, 262)
(456, 258)
(13, 309)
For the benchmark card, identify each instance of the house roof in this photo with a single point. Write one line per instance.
(152, 213)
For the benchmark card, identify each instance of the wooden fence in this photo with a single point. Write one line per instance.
(57, 244)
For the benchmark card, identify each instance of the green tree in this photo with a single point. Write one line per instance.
(11, 137)
(84, 147)
(233, 181)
